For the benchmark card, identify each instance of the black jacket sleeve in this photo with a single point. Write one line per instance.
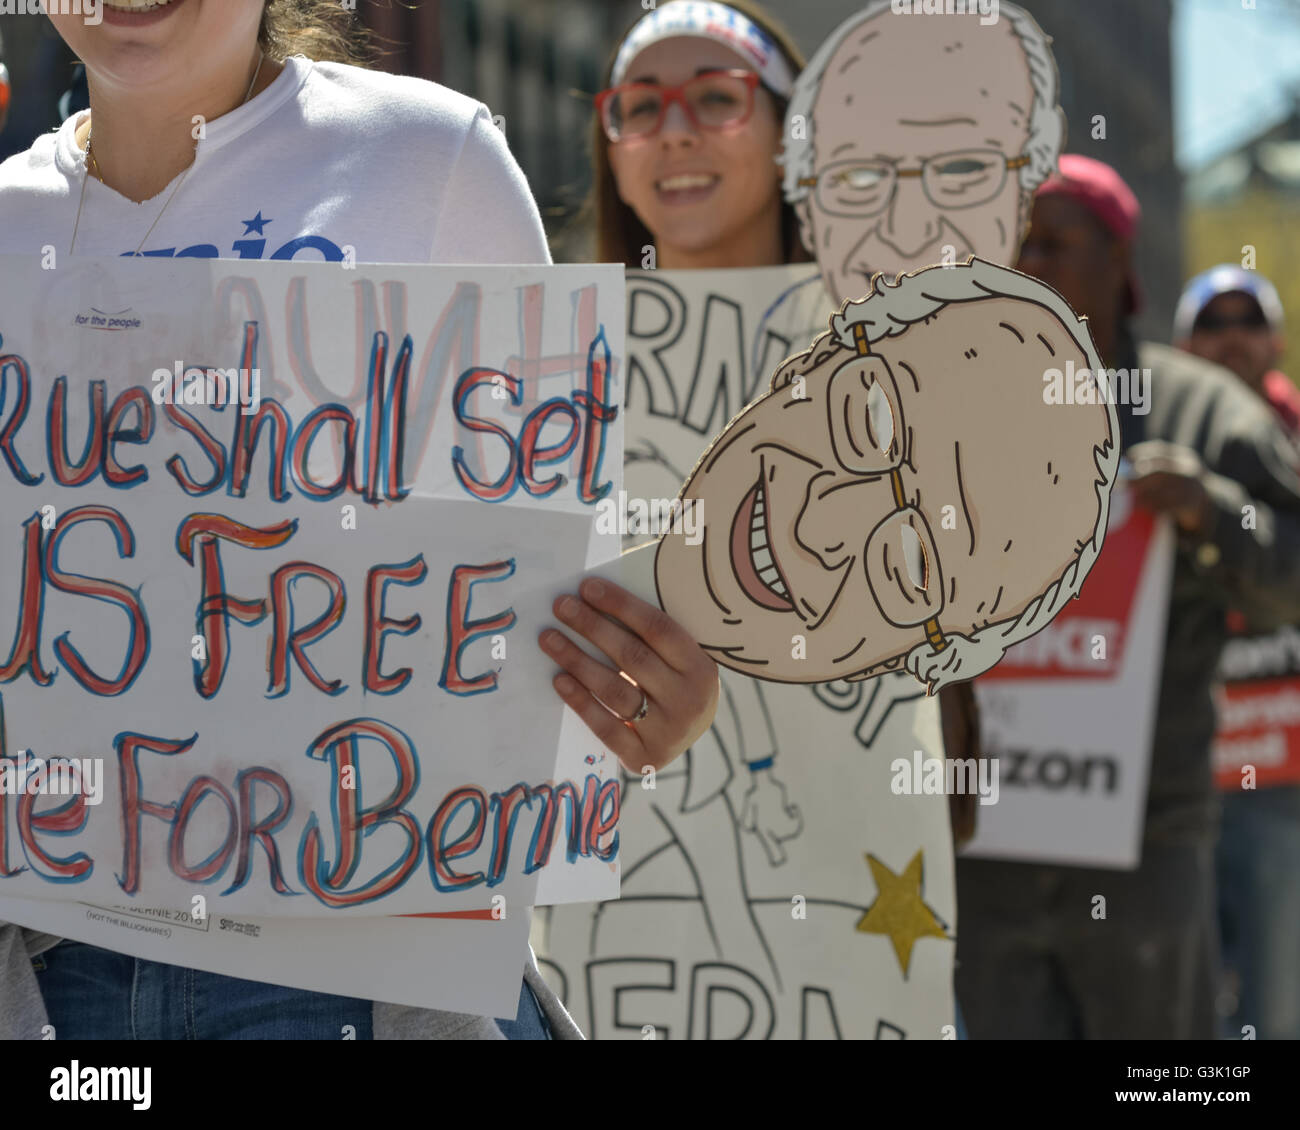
(1252, 545)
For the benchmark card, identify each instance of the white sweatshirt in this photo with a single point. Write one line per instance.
(328, 157)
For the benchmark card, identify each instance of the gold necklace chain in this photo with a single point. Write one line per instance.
(92, 159)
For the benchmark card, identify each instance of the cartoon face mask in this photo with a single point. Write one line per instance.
(905, 487)
(923, 141)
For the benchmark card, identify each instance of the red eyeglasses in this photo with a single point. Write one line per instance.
(715, 101)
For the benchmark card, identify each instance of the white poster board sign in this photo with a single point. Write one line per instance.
(282, 539)
(774, 886)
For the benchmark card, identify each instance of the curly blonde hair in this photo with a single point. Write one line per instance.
(320, 29)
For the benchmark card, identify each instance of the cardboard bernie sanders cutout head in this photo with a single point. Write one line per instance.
(907, 495)
(913, 140)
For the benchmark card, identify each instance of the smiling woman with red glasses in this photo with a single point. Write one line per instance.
(686, 138)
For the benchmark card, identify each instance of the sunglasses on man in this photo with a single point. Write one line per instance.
(1252, 319)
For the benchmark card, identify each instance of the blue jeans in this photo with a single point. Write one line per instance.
(95, 994)
(1259, 909)
(530, 1022)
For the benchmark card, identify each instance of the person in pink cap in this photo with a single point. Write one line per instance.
(1031, 961)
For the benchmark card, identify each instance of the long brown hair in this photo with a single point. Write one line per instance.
(620, 236)
(320, 29)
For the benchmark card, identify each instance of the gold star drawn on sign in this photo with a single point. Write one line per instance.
(899, 912)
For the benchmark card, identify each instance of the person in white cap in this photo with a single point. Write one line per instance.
(1233, 317)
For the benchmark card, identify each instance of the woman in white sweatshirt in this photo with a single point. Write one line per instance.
(296, 158)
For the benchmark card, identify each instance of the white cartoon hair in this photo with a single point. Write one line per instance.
(887, 311)
(1046, 119)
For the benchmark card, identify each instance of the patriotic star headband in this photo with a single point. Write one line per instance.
(710, 21)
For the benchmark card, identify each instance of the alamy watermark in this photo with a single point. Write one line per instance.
(656, 516)
(987, 10)
(92, 11)
(84, 1083)
(24, 774)
(214, 387)
(1098, 386)
(934, 776)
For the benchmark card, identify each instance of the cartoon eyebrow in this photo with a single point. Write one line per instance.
(1019, 336)
(1047, 344)
(937, 122)
(855, 647)
(961, 493)
(730, 653)
(796, 400)
(714, 457)
(787, 450)
(850, 483)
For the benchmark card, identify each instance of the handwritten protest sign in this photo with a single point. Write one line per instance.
(1069, 714)
(774, 884)
(282, 539)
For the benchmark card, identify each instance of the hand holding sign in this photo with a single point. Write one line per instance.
(1167, 480)
(674, 683)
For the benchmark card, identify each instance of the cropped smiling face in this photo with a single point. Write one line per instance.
(926, 482)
